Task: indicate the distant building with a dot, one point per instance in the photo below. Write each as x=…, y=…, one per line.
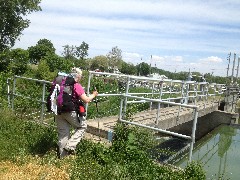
x=158, y=76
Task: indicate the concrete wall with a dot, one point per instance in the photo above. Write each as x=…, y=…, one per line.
x=206, y=123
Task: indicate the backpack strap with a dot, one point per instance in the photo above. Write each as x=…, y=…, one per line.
x=54, y=99
x=60, y=99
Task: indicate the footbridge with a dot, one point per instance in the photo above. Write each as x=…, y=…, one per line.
x=171, y=103
x=156, y=104
x=165, y=118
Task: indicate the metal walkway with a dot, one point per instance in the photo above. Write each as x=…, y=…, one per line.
x=169, y=117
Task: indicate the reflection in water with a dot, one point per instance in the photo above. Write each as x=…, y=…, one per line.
x=219, y=153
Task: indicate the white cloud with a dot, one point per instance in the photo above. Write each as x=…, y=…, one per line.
x=168, y=30
x=168, y=59
x=211, y=59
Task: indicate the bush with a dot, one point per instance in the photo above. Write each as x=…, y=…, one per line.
x=127, y=158
x=23, y=137
x=194, y=171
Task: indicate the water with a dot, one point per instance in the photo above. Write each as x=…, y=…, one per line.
x=219, y=153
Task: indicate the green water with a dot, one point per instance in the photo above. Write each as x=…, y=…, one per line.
x=219, y=153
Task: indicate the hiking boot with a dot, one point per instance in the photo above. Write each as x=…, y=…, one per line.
x=70, y=151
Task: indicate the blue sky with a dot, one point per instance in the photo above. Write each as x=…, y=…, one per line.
x=179, y=34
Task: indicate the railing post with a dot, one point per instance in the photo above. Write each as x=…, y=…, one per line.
x=195, y=92
x=187, y=93
x=13, y=92
x=43, y=102
x=159, y=105
x=8, y=93
x=120, y=111
x=126, y=92
x=193, y=133
x=170, y=92
x=88, y=91
x=152, y=95
x=182, y=91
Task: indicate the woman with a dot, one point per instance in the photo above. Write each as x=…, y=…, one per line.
x=67, y=144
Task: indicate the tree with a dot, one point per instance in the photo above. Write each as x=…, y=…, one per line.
x=11, y=20
x=143, y=69
x=99, y=62
x=19, y=61
x=48, y=44
x=82, y=50
x=57, y=63
x=68, y=52
x=43, y=71
x=128, y=68
x=42, y=48
x=115, y=57
x=4, y=60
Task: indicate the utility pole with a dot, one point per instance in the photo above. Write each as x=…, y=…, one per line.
x=237, y=70
x=233, y=68
x=229, y=58
x=140, y=68
x=151, y=72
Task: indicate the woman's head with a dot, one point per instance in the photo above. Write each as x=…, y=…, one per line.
x=76, y=73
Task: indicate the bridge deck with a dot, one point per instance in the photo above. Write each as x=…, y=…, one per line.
x=168, y=117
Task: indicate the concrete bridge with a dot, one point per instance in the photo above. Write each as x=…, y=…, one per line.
x=168, y=117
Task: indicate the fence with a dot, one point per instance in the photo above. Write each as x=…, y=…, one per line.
x=171, y=90
x=161, y=91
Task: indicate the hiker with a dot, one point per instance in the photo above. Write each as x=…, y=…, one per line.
x=67, y=144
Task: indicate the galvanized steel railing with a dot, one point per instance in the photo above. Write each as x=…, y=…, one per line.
x=183, y=91
x=186, y=90
x=194, y=107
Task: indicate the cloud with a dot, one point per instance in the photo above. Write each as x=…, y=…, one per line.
x=211, y=59
x=168, y=30
x=133, y=58
x=168, y=59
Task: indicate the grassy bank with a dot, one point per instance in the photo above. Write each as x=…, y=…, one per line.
x=30, y=151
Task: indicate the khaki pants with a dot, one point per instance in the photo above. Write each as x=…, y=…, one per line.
x=64, y=122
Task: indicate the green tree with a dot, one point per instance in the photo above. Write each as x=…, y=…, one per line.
x=12, y=22
x=81, y=63
x=42, y=48
x=82, y=50
x=19, y=61
x=4, y=60
x=99, y=62
x=128, y=68
x=115, y=57
x=43, y=71
x=48, y=44
x=69, y=52
x=143, y=69
x=57, y=63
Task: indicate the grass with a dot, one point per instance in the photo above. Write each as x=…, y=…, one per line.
x=29, y=151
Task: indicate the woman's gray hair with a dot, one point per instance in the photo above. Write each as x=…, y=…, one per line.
x=76, y=71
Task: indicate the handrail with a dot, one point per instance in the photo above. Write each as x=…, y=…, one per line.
x=192, y=137
x=159, y=87
x=160, y=90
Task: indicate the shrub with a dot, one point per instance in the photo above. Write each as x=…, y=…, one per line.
x=23, y=137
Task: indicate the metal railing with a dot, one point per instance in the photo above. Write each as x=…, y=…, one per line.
x=162, y=91
x=13, y=94
x=171, y=90
x=194, y=107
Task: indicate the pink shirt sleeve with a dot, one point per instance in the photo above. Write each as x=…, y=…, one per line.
x=78, y=90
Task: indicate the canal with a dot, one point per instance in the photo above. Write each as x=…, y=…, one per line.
x=218, y=152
